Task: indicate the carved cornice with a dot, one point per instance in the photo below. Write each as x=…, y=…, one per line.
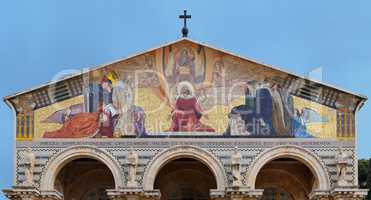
x=133, y=194
x=30, y=192
x=348, y=193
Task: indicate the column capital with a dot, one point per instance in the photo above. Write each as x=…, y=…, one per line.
x=348, y=193
x=31, y=193
x=134, y=193
x=319, y=195
x=217, y=194
x=243, y=193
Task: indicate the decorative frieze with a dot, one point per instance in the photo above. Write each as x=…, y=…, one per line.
x=135, y=158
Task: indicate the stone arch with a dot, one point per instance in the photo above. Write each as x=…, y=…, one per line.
x=176, y=152
x=308, y=158
x=57, y=162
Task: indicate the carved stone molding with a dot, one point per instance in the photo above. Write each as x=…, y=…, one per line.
x=319, y=195
x=236, y=193
x=133, y=194
x=31, y=193
x=244, y=193
x=348, y=193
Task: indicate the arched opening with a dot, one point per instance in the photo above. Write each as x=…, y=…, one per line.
x=321, y=180
x=185, y=179
x=285, y=179
x=84, y=179
x=184, y=151
x=60, y=160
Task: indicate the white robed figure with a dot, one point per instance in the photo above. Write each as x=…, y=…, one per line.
x=122, y=102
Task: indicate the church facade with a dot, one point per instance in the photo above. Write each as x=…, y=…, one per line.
x=185, y=121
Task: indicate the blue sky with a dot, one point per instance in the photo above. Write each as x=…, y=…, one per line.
x=39, y=38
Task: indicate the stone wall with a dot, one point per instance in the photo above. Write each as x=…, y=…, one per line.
x=221, y=148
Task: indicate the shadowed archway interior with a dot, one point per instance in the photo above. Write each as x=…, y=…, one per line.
x=185, y=179
x=285, y=179
x=84, y=179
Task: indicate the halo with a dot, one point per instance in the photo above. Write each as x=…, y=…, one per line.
x=185, y=84
x=113, y=77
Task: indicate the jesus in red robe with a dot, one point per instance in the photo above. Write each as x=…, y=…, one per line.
x=187, y=113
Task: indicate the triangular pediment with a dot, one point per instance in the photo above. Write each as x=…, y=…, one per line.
x=221, y=84
x=300, y=86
